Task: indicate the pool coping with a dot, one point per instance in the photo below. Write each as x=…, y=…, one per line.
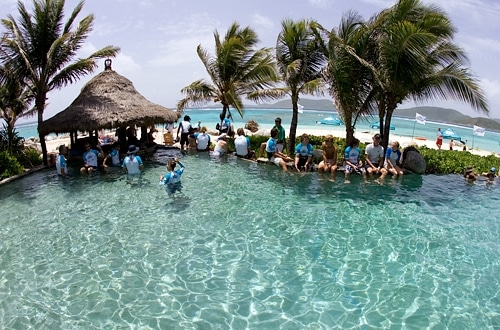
x=25, y=173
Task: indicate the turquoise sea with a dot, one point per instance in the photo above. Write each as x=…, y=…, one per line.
x=248, y=246
x=265, y=117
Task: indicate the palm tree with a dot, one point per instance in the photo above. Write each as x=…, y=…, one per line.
x=300, y=61
x=236, y=69
x=41, y=48
x=15, y=99
x=415, y=57
x=348, y=76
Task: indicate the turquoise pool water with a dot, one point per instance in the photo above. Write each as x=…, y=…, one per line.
x=249, y=247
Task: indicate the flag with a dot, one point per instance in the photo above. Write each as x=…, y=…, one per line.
x=420, y=119
x=479, y=131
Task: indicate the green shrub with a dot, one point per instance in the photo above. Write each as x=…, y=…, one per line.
x=449, y=161
x=29, y=158
x=9, y=166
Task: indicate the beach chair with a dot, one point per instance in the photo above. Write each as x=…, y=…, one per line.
x=168, y=139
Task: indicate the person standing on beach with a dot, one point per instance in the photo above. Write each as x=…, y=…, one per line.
x=439, y=140
x=61, y=164
x=280, y=143
x=451, y=144
x=184, y=129
x=374, y=156
x=90, y=157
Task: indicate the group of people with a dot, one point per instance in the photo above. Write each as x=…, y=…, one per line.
x=471, y=176
x=131, y=163
x=377, y=161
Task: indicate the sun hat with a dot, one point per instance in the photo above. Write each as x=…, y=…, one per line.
x=493, y=169
x=132, y=149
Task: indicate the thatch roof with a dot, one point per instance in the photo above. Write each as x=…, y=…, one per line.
x=107, y=101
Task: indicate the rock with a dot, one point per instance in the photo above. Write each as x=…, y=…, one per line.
x=413, y=160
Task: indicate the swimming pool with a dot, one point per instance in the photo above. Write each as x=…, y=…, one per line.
x=249, y=247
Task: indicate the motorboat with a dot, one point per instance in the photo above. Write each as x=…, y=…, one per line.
x=330, y=121
x=377, y=126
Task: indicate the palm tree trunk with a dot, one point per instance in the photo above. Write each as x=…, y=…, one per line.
x=293, y=126
x=40, y=106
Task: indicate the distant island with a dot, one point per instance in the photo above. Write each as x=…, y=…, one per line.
x=436, y=114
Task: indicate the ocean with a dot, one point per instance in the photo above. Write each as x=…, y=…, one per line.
x=309, y=118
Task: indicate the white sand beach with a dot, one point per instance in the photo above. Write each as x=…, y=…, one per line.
x=366, y=137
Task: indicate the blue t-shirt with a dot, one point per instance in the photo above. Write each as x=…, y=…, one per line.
x=270, y=147
x=225, y=124
x=61, y=164
x=90, y=157
x=352, y=154
x=115, y=157
x=304, y=150
x=393, y=156
x=172, y=180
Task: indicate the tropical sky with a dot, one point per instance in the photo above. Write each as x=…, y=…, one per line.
x=158, y=38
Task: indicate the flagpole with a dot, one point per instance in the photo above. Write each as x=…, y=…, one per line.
x=413, y=133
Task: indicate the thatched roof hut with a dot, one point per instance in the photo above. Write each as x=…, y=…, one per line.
x=108, y=101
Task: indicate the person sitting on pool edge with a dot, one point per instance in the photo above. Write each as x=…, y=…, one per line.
x=273, y=155
x=221, y=147
x=392, y=160
x=90, y=157
x=352, y=161
x=242, y=145
x=202, y=139
x=329, y=162
x=303, y=154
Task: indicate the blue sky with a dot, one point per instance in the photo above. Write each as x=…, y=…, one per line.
x=158, y=38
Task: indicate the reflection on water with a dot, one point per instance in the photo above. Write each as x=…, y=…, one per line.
x=248, y=246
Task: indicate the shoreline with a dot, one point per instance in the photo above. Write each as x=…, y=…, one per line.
x=364, y=136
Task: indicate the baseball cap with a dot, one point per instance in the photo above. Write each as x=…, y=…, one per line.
x=493, y=169
x=376, y=136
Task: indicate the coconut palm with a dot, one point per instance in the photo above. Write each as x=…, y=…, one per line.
x=236, y=69
x=15, y=99
x=41, y=47
x=300, y=61
x=415, y=57
x=348, y=76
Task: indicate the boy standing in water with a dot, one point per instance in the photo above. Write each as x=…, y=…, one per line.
x=172, y=180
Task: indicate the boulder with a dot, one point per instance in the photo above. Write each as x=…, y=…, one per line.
x=413, y=160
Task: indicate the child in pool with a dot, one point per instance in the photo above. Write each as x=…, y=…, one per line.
x=172, y=179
